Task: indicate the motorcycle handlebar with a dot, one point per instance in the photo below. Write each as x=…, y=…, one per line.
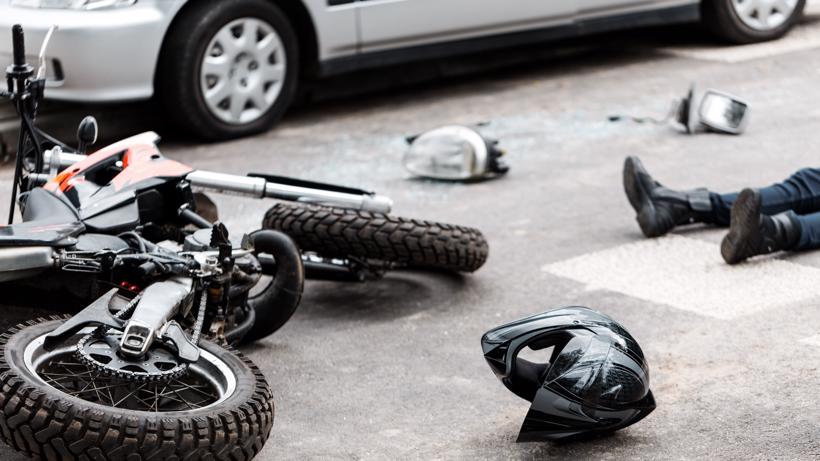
x=18, y=45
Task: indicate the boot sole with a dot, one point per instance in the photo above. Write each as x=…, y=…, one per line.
x=745, y=227
x=639, y=197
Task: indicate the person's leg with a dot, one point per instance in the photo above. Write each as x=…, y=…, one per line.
x=660, y=209
x=799, y=193
x=754, y=233
x=809, y=232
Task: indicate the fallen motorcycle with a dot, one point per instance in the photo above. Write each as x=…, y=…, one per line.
x=145, y=370
x=145, y=367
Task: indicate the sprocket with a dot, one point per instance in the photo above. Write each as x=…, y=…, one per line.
x=100, y=352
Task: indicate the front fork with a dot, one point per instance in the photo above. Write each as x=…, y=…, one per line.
x=265, y=186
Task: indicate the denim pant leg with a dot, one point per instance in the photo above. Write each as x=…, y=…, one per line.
x=800, y=193
x=809, y=232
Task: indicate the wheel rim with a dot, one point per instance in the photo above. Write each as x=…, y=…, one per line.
x=207, y=383
x=243, y=71
x=764, y=15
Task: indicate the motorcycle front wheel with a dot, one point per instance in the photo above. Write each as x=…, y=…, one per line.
x=343, y=233
x=56, y=407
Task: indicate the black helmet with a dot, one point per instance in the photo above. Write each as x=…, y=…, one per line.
x=596, y=380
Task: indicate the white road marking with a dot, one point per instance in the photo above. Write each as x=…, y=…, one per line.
x=812, y=340
x=804, y=37
x=690, y=274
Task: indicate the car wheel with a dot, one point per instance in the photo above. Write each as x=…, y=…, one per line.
x=749, y=21
x=229, y=69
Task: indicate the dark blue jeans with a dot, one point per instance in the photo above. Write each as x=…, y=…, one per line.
x=799, y=195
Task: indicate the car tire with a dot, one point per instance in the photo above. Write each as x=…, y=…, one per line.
x=726, y=20
x=260, y=69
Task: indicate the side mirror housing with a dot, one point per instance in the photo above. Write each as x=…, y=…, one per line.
x=86, y=134
x=714, y=111
x=454, y=153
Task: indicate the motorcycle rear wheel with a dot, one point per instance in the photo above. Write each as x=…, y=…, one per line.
x=344, y=233
x=53, y=408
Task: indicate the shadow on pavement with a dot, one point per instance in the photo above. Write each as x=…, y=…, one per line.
x=398, y=295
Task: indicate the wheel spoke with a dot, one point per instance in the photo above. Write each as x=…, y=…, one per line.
x=273, y=72
x=250, y=29
x=217, y=66
x=230, y=44
x=217, y=94
x=763, y=13
x=257, y=96
x=195, y=389
x=238, y=103
x=129, y=395
x=267, y=46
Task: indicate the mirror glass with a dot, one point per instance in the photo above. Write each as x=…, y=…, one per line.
x=722, y=112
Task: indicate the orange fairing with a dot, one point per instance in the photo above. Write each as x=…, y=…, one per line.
x=140, y=158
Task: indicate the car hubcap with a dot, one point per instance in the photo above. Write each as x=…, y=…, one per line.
x=243, y=71
x=764, y=15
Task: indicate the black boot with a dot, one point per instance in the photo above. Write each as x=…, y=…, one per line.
x=660, y=209
x=753, y=233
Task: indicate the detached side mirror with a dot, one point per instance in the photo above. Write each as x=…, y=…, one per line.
x=714, y=110
x=86, y=134
x=454, y=153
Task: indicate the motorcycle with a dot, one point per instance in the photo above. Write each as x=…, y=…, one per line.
x=145, y=367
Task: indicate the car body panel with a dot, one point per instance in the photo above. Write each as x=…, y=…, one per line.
x=112, y=54
x=590, y=23
x=106, y=55
x=399, y=23
x=392, y=24
x=598, y=8
x=337, y=29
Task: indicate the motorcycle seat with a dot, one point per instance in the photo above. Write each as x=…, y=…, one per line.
x=48, y=220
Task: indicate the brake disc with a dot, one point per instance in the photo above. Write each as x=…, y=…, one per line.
x=101, y=352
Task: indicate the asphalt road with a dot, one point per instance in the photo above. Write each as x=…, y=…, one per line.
x=393, y=369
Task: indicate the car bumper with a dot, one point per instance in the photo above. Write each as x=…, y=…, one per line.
x=95, y=56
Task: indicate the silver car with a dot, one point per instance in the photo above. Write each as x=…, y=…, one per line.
x=228, y=68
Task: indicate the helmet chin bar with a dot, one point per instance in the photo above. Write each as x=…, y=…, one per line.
x=596, y=380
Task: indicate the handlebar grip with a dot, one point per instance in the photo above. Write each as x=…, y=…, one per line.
x=19, y=45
